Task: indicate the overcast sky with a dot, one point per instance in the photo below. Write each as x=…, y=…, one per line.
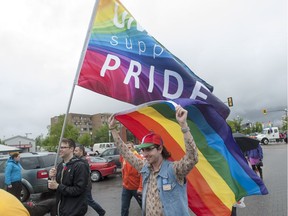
x=239, y=47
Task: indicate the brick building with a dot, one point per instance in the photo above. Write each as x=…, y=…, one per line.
x=85, y=124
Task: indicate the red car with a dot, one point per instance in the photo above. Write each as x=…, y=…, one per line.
x=100, y=168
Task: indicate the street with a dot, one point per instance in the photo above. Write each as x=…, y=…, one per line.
x=108, y=192
x=275, y=179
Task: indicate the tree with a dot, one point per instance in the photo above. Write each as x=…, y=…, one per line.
x=284, y=123
x=102, y=134
x=257, y=127
x=235, y=125
x=39, y=141
x=51, y=142
x=85, y=139
x=246, y=130
x=131, y=137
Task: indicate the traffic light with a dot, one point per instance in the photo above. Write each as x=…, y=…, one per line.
x=230, y=101
x=264, y=111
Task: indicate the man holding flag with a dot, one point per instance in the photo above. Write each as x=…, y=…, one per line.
x=164, y=182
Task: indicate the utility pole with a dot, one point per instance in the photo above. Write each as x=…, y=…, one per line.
x=27, y=134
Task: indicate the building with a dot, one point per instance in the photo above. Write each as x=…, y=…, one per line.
x=21, y=142
x=85, y=124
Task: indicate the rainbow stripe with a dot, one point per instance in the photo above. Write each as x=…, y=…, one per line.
x=222, y=175
x=121, y=55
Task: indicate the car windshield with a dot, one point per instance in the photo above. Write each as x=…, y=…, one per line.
x=97, y=159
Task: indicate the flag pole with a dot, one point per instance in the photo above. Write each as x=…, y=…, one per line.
x=77, y=75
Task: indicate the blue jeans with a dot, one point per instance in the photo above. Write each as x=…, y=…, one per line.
x=94, y=204
x=126, y=199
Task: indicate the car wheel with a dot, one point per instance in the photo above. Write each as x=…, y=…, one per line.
x=95, y=176
x=265, y=141
x=24, y=194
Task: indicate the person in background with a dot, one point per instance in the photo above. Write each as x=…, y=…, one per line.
x=11, y=206
x=255, y=157
x=80, y=153
x=70, y=182
x=164, y=182
x=132, y=182
x=13, y=175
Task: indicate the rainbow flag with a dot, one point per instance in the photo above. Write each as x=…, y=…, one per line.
x=124, y=62
x=222, y=175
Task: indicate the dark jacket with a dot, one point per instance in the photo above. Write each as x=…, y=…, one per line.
x=89, y=185
x=71, y=196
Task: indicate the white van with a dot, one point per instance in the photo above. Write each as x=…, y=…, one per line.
x=100, y=147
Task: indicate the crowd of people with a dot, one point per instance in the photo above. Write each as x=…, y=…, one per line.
x=157, y=184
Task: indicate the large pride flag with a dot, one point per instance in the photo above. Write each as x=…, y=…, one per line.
x=222, y=175
x=124, y=62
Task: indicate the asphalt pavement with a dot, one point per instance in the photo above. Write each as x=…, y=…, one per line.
x=108, y=191
x=275, y=179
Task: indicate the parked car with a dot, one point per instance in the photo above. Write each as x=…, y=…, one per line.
x=89, y=152
x=112, y=154
x=35, y=172
x=100, y=168
x=253, y=135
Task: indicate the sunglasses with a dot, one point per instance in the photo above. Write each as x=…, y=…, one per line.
x=148, y=149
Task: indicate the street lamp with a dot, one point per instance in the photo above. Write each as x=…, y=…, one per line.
x=109, y=134
x=91, y=137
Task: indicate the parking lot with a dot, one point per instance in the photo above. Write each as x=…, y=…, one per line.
x=108, y=192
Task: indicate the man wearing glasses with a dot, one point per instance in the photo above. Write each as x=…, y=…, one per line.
x=70, y=182
x=164, y=182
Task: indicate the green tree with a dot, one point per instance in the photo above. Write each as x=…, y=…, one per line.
x=39, y=141
x=102, y=134
x=85, y=140
x=235, y=124
x=246, y=130
x=257, y=127
x=51, y=142
x=284, y=123
x=131, y=137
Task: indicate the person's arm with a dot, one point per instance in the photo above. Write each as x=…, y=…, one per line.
x=123, y=149
x=140, y=187
x=188, y=161
x=8, y=170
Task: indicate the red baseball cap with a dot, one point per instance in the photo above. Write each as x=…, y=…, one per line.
x=150, y=140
